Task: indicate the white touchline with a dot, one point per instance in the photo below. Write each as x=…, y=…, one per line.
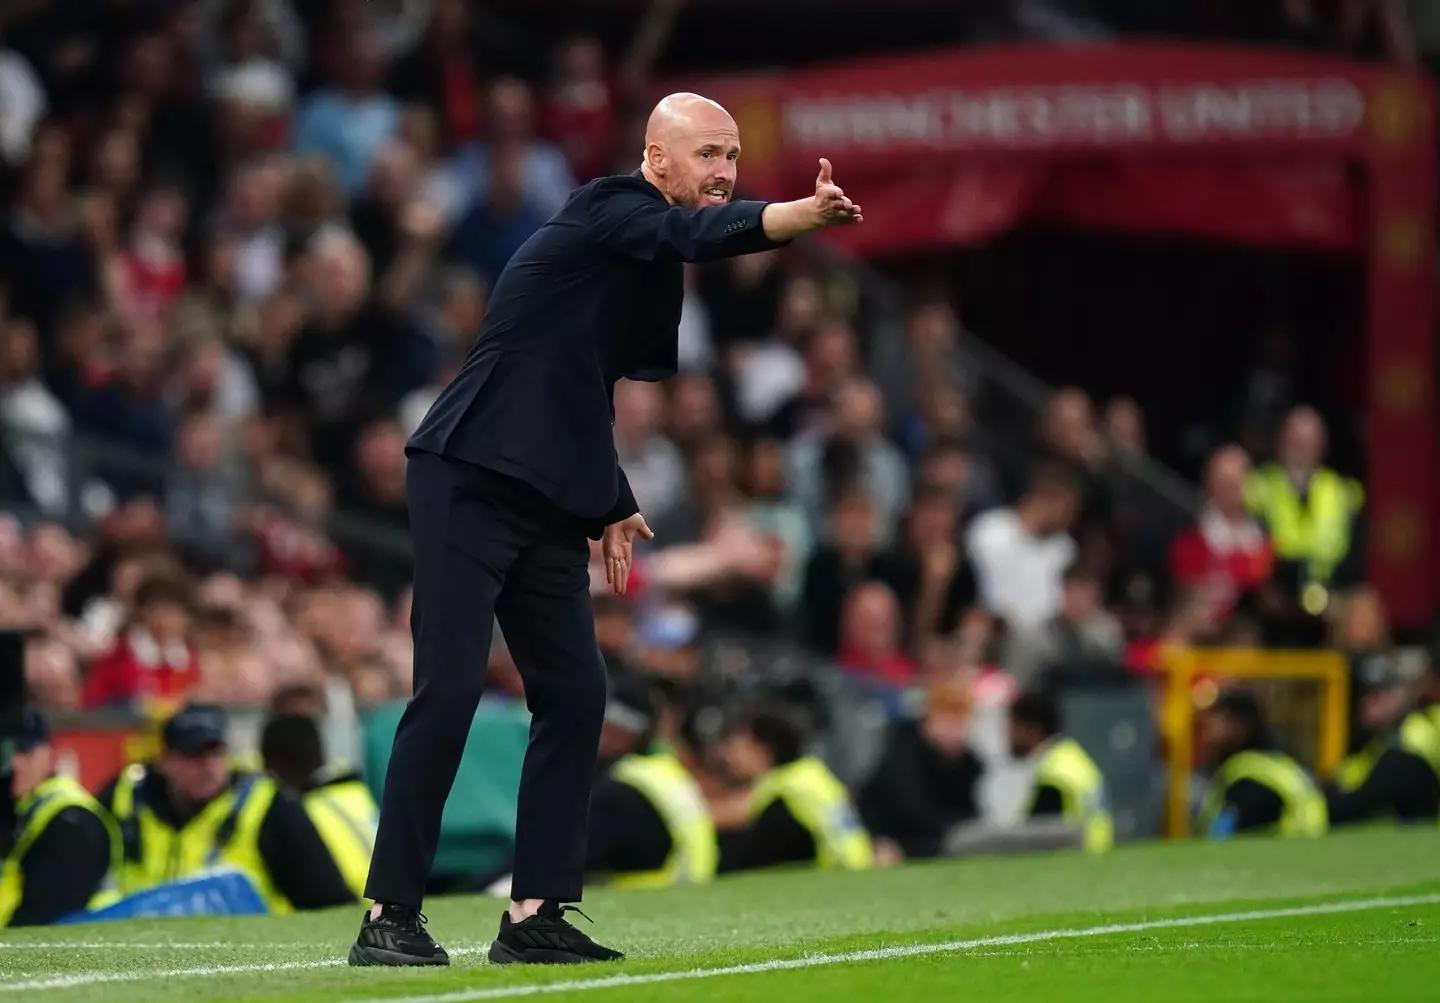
x=886, y=953
x=806, y=961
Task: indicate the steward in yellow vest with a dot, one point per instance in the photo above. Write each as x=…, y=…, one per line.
x=340, y=806
x=1309, y=511
x=1395, y=774
x=63, y=845
x=1068, y=785
x=190, y=814
x=798, y=812
x=1254, y=787
x=650, y=826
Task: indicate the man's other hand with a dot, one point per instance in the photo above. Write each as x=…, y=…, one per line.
x=617, y=546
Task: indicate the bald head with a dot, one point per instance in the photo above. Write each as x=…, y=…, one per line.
x=691, y=148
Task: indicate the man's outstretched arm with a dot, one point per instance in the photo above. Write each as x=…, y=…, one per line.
x=638, y=225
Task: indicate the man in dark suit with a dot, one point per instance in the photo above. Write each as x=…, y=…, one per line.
x=511, y=471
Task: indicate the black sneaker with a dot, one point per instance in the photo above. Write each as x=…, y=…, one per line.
x=397, y=937
x=546, y=939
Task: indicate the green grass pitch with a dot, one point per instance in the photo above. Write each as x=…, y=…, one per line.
x=1353, y=917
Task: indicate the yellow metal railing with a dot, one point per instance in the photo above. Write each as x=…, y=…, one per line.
x=1181, y=667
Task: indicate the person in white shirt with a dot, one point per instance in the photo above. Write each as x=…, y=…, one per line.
x=1020, y=554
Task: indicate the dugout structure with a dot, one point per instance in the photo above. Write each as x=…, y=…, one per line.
x=1306, y=694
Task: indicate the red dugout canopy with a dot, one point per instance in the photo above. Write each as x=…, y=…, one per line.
x=1253, y=146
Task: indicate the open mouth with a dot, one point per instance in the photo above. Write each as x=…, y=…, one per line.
x=715, y=196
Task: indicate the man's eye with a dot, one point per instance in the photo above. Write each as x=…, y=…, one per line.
x=706, y=154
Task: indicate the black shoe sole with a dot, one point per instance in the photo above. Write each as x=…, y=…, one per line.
x=500, y=954
x=367, y=957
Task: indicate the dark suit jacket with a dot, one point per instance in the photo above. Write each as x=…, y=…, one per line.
x=592, y=297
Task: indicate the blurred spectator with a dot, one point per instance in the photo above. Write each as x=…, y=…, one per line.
x=375, y=213
x=450, y=325
x=1226, y=552
x=42, y=250
x=247, y=54
x=113, y=169
x=355, y=359
x=694, y=410
x=441, y=72
x=130, y=409
x=653, y=465
x=871, y=633
x=154, y=263
x=1125, y=427
x=77, y=357
x=352, y=120
x=23, y=108
x=250, y=217
x=202, y=495
x=742, y=296
x=695, y=344
x=214, y=378
x=1020, y=554
x=713, y=489
x=768, y=373
x=831, y=359
x=153, y=659
x=927, y=569
x=928, y=778
x=378, y=488
x=930, y=352
x=836, y=567
x=292, y=541
x=1310, y=512
x=851, y=452
x=500, y=220
x=546, y=181
x=965, y=473
x=1079, y=638
x=35, y=424
x=1269, y=390
x=52, y=675
x=579, y=107
x=278, y=321
x=1254, y=787
x=771, y=513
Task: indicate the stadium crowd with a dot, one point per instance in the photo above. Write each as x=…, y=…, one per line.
x=246, y=243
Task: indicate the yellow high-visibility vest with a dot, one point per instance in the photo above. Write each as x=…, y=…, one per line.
x=819, y=802
x=35, y=812
x=1418, y=734
x=226, y=832
x=1304, y=812
x=676, y=798
x=1070, y=770
x=1315, y=531
x=345, y=815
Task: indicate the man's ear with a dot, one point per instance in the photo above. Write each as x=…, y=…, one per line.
x=655, y=157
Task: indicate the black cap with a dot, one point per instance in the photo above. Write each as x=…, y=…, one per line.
x=631, y=704
x=195, y=729
x=33, y=732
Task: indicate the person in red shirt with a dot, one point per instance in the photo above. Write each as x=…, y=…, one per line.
x=1226, y=552
x=870, y=637
x=578, y=111
x=154, y=263
x=152, y=660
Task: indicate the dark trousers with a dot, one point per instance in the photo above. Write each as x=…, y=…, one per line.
x=490, y=547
